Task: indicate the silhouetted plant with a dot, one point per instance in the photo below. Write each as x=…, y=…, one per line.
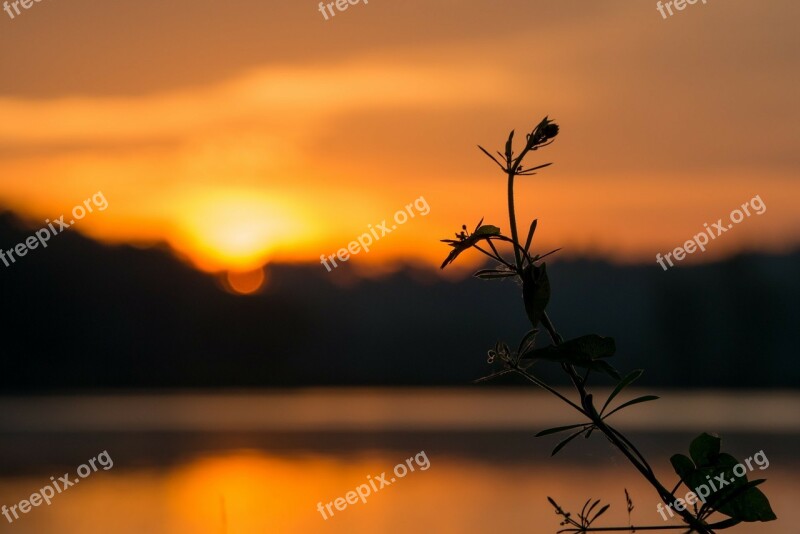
x=740, y=501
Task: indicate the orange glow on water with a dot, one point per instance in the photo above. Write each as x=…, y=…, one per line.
x=250, y=492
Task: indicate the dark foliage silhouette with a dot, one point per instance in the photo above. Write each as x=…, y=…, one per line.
x=740, y=500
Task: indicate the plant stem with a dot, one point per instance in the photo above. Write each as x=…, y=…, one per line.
x=512, y=218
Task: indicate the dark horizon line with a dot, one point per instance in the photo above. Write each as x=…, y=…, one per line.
x=12, y=220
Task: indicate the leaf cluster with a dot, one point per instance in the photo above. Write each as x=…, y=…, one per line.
x=738, y=498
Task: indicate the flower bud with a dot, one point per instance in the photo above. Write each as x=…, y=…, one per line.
x=550, y=130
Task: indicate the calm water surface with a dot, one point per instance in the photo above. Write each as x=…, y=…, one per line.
x=249, y=463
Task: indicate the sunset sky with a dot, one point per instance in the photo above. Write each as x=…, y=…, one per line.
x=249, y=132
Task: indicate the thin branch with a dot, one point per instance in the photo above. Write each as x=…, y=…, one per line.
x=493, y=376
x=494, y=249
x=512, y=217
x=498, y=258
x=634, y=449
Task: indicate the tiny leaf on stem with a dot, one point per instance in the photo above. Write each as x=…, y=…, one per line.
x=509, y=147
x=487, y=229
x=530, y=235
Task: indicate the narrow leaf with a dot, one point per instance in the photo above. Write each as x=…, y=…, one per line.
x=551, y=252
x=492, y=157
x=628, y=380
x=509, y=145
x=558, y=429
x=487, y=274
x=528, y=338
x=530, y=235
x=583, y=510
x=607, y=368
x=493, y=376
x=563, y=443
x=595, y=503
x=637, y=400
x=601, y=512
x=538, y=167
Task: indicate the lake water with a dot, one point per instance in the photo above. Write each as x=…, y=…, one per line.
x=254, y=463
